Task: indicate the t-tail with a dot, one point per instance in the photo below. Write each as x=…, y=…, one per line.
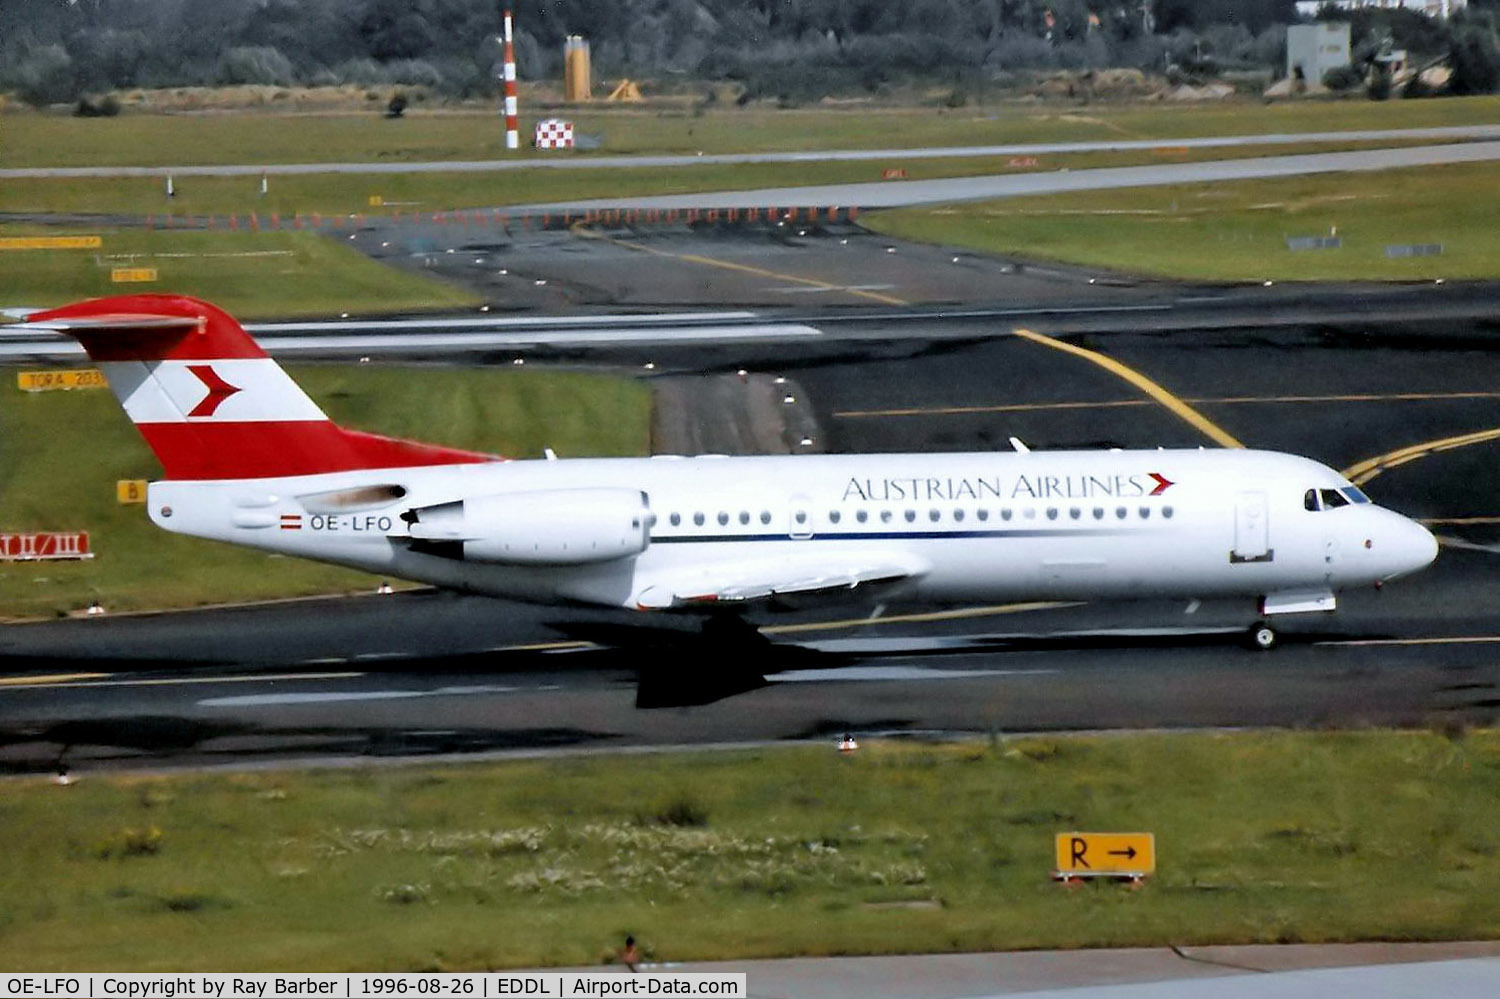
x=211, y=403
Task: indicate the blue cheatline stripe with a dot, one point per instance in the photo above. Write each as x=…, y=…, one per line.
x=1075, y=532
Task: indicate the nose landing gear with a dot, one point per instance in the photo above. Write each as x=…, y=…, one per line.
x=1261, y=636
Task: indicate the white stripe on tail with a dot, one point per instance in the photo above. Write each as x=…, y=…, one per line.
x=211, y=403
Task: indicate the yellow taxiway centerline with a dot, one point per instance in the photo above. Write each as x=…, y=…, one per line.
x=959, y=614
x=1362, y=472
x=1179, y=408
x=49, y=679
x=34, y=682
x=1456, y=521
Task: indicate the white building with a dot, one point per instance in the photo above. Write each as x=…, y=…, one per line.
x=1432, y=8
x=1314, y=49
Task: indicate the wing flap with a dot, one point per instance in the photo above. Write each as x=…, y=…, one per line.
x=729, y=584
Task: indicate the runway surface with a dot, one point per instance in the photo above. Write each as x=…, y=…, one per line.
x=1442, y=133
x=897, y=193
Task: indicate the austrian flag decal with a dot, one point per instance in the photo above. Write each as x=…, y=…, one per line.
x=291, y=522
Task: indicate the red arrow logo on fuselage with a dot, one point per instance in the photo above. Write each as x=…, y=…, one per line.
x=1162, y=484
x=218, y=389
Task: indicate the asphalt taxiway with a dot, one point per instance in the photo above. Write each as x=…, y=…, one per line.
x=916, y=349
x=422, y=673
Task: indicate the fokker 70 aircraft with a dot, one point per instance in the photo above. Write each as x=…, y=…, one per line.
x=251, y=460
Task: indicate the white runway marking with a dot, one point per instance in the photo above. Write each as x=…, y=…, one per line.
x=894, y=673
x=337, y=696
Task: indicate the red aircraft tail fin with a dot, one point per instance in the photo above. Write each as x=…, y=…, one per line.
x=211, y=403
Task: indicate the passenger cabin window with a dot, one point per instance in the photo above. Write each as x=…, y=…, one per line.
x=676, y=519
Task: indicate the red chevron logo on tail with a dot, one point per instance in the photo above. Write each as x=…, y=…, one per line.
x=218, y=389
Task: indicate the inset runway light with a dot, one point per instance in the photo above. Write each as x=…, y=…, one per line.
x=365, y=359
x=780, y=380
x=806, y=442
x=343, y=315
x=1268, y=284
x=519, y=360
x=955, y=260
x=843, y=242
x=503, y=271
x=539, y=282
x=890, y=249
x=1091, y=280
x=351, y=235
x=449, y=250
x=802, y=232
x=384, y=245
x=484, y=308
x=650, y=365
x=789, y=399
x=1438, y=281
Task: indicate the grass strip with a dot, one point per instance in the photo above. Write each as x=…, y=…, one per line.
x=34, y=139
x=1238, y=230
x=266, y=275
x=351, y=194
x=1261, y=837
x=64, y=452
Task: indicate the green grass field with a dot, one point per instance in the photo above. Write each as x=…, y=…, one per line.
x=1237, y=231
x=253, y=275
x=249, y=137
x=341, y=194
x=64, y=452
x=1261, y=838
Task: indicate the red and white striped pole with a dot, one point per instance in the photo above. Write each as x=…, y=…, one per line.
x=512, y=127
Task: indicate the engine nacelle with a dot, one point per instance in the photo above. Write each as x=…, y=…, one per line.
x=545, y=527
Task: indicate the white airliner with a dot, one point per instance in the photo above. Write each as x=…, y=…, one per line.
x=251, y=460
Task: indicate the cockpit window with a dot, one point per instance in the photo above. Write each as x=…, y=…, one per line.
x=1355, y=494
x=1332, y=498
x=1310, y=501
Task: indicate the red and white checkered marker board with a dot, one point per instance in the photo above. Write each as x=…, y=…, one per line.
x=554, y=133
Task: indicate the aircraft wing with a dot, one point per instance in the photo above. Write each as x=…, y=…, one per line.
x=776, y=580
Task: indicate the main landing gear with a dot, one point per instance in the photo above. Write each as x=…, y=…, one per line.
x=1261, y=636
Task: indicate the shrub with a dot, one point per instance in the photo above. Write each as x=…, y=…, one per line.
x=1342, y=78
x=106, y=107
x=46, y=76
x=258, y=64
x=683, y=812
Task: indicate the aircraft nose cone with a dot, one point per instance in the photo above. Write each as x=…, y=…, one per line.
x=1415, y=548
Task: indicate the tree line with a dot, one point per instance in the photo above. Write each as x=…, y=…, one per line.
x=57, y=50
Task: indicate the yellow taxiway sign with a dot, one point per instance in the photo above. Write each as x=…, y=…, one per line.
x=1087, y=854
